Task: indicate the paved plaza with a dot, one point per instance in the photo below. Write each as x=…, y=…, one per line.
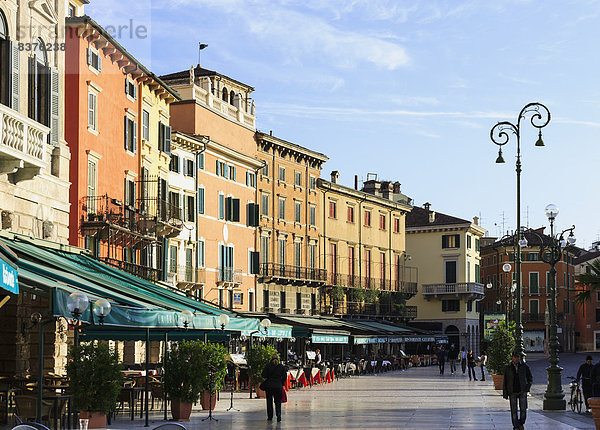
x=418, y=398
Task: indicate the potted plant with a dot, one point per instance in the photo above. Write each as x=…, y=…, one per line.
x=96, y=379
x=259, y=358
x=500, y=351
x=183, y=378
x=213, y=359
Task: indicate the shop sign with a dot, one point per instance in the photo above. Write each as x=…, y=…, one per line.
x=8, y=277
x=328, y=338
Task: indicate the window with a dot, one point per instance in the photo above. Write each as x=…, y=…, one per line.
x=469, y=305
x=201, y=161
x=532, y=256
x=282, y=173
x=232, y=173
x=367, y=218
x=298, y=254
x=92, y=110
x=130, y=135
x=72, y=10
x=221, y=296
x=265, y=169
x=173, y=259
x=450, y=305
x=381, y=222
x=351, y=263
x=534, y=307
x=468, y=241
x=7, y=50
x=264, y=204
x=477, y=248
x=189, y=168
x=221, y=206
x=232, y=209
x=281, y=207
x=251, y=301
x=312, y=215
x=201, y=253
x=175, y=204
x=39, y=84
x=312, y=255
x=332, y=209
x=190, y=208
x=94, y=60
x=297, y=211
x=129, y=194
x=597, y=314
x=367, y=264
x=130, y=89
x=281, y=250
x=164, y=138
x=145, y=125
x=200, y=200
x=477, y=273
x=225, y=263
x=174, y=164
x=382, y=268
x=92, y=181
x=450, y=241
x=350, y=214
x=264, y=249
x=312, y=184
x=251, y=179
x=252, y=214
x=450, y=272
x=396, y=225
x=298, y=178
x=534, y=285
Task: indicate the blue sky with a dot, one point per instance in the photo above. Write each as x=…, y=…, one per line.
x=408, y=90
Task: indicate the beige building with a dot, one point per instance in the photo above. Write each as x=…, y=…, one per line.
x=446, y=251
x=34, y=157
x=363, y=250
x=290, y=267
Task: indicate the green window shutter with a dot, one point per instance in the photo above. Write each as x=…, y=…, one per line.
x=235, y=210
x=126, y=127
x=200, y=200
x=458, y=240
x=54, y=106
x=444, y=241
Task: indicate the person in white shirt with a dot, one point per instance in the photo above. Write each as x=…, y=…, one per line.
x=483, y=361
x=463, y=359
x=317, y=357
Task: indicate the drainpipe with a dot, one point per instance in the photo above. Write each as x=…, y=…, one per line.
x=197, y=215
x=256, y=233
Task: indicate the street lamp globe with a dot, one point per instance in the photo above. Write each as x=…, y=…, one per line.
x=551, y=211
x=571, y=239
x=77, y=303
x=102, y=308
x=523, y=242
x=489, y=285
x=498, y=302
x=186, y=317
x=265, y=323
x=223, y=320
x=506, y=267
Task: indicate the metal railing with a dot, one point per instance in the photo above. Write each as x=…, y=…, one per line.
x=341, y=307
x=298, y=273
x=231, y=275
x=457, y=288
x=145, y=272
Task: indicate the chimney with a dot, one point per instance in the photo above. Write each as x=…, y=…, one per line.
x=335, y=176
x=356, y=182
x=396, y=187
x=270, y=132
x=476, y=220
x=426, y=206
x=432, y=216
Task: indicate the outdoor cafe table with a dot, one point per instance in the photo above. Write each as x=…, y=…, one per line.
x=55, y=400
x=133, y=391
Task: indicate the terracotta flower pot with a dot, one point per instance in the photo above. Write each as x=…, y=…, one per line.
x=208, y=401
x=261, y=394
x=594, y=403
x=181, y=411
x=97, y=420
x=498, y=381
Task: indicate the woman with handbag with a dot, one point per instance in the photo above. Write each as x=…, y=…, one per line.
x=483, y=363
x=471, y=364
x=275, y=376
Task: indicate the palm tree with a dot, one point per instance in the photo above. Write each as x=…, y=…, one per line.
x=590, y=282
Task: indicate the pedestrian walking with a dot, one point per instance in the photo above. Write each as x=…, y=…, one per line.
x=517, y=383
x=471, y=364
x=452, y=357
x=585, y=373
x=483, y=363
x=441, y=358
x=463, y=359
x=275, y=376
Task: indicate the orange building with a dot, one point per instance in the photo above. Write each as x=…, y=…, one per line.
x=587, y=315
x=215, y=109
x=535, y=278
x=118, y=131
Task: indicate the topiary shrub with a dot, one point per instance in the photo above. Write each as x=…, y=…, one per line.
x=356, y=294
x=336, y=293
x=95, y=376
x=500, y=349
x=371, y=295
x=213, y=357
x=259, y=358
x=184, y=373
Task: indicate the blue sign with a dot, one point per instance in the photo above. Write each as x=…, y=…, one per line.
x=8, y=277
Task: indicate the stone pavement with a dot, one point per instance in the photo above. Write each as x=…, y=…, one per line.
x=418, y=398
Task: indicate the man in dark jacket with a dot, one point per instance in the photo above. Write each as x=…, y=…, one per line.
x=275, y=376
x=441, y=358
x=452, y=357
x=517, y=383
x=585, y=375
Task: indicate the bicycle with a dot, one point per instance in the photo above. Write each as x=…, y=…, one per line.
x=576, y=400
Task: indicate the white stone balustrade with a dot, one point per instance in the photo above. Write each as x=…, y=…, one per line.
x=457, y=288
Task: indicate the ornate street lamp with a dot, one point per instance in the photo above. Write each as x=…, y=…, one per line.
x=223, y=321
x=101, y=309
x=77, y=303
x=187, y=317
x=554, y=397
x=263, y=329
x=500, y=135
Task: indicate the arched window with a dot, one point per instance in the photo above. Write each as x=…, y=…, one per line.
x=231, y=97
x=39, y=84
x=4, y=62
x=225, y=93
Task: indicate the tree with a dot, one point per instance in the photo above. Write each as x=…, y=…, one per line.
x=501, y=348
x=590, y=281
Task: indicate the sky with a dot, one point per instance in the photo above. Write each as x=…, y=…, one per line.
x=408, y=90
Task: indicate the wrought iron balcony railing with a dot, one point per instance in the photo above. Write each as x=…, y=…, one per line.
x=230, y=275
x=341, y=307
x=293, y=273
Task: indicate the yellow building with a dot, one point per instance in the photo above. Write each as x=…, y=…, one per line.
x=363, y=251
x=290, y=270
x=445, y=249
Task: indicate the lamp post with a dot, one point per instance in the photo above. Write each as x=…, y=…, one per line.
x=77, y=303
x=499, y=134
x=263, y=329
x=554, y=397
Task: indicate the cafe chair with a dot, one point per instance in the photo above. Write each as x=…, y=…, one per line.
x=170, y=426
x=26, y=408
x=30, y=426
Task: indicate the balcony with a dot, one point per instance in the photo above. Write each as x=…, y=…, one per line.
x=229, y=275
x=188, y=277
x=534, y=318
x=463, y=290
x=282, y=273
x=371, y=309
x=138, y=270
x=23, y=145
